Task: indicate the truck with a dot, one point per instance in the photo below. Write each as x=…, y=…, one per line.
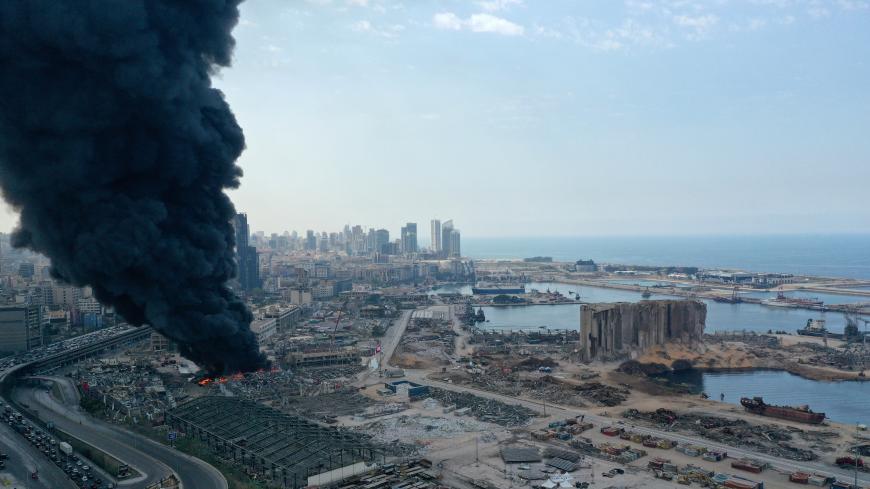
x=65, y=448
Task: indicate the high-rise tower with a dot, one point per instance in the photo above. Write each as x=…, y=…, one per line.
x=435, y=233
x=246, y=255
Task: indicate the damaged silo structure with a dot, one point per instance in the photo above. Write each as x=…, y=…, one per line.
x=610, y=331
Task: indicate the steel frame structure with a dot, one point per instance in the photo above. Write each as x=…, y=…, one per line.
x=283, y=448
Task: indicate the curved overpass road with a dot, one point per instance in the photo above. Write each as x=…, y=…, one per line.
x=148, y=457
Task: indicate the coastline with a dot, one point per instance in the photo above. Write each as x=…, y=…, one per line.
x=805, y=371
x=723, y=355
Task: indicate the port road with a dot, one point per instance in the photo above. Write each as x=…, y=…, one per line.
x=389, y=343
x=23, y=460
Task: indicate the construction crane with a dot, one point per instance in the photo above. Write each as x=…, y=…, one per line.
x=338, y=320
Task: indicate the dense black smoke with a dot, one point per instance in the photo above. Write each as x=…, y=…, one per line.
x=116, y=150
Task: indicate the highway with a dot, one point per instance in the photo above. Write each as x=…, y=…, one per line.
x=23, y=459
x=153, y=460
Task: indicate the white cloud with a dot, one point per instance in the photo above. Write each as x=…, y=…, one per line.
x=756, y=24
x=818, y=12
x=774, y=3
x=477, y=23
x=699, y=24
x=600, y=36
x=448, y=21
x=367, y=27
x=544, y=31
x=639, y=6
x=497, y=25
x=362, y=26
x=496, y=5
x=359, y=3
x=853, y=4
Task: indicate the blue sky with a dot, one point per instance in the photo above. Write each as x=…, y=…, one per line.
x=550, y=117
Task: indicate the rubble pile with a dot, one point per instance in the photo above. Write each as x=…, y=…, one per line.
x=603, y=395
x=749, y=338
x=428, y=340
x=534, y=363
x=325, y=374
x=633, y=367
x=266, y=387
x=820, y=440
x=128, y=391
x=346, y=401
x=851, y=357
x=770, y=439
x=522, y=337
x=513, y=385
x=483, y=409
x=277, y=387
x=404, y=428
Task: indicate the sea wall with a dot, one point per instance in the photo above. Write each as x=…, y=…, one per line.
x=620, y=330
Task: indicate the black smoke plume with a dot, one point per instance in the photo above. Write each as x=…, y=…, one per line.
x=116, y=150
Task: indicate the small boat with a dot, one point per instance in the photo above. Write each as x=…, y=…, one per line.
x=646, y=294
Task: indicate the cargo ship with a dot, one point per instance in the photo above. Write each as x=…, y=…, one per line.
x=783, y=300
x=816, y=327
x=802, y=414
x=495, y=289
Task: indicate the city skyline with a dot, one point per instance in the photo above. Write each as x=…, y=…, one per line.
x=351, y=238
x=527, y=118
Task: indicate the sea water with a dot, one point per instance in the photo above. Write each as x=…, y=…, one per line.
x=846, y=255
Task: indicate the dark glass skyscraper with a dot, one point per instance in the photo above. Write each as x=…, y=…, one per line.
x=246, y=255
x=409, y=238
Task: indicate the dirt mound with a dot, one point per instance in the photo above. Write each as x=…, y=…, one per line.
x=602, y=394
x=681, y=365
x=534, y=363
x=633, y=367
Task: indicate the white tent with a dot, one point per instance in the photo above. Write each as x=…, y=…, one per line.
x=563, y=481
